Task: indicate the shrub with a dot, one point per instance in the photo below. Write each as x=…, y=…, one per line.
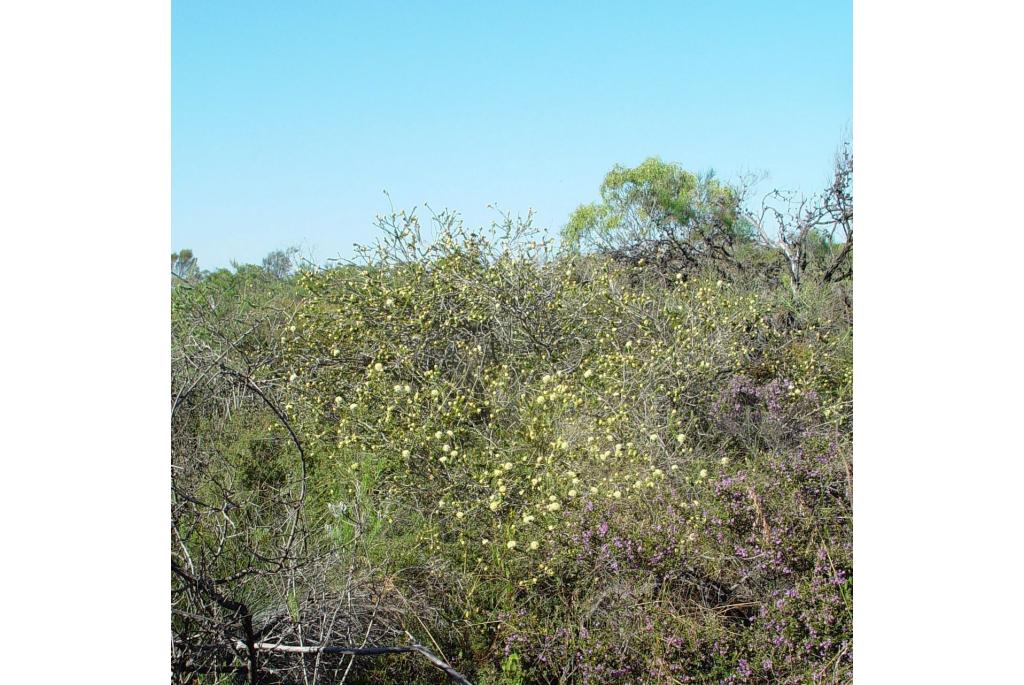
x=588, y=471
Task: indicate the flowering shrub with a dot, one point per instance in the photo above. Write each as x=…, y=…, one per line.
x=590, y=471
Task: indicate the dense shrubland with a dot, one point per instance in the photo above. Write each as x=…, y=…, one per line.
x=625, y=459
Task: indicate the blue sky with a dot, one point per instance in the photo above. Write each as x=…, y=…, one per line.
x=289, y=119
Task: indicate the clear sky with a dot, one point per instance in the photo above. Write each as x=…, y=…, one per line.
x=289, y=119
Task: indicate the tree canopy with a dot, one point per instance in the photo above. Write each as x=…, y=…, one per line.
x=662, y=203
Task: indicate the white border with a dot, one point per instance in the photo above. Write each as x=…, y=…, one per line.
x=85, y=202
x=938, y=487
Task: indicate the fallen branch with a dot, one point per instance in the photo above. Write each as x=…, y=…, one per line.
x=363, y=651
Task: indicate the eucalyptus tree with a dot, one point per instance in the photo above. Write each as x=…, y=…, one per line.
x=658, y=211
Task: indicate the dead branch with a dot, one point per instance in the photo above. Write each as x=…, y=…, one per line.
x=454, y=675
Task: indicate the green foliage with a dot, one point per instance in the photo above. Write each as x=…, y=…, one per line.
x=557, y=467
x=658, y=200
x=260, y=459
x=505, y=399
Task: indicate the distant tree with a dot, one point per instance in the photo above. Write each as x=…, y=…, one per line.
x=184, y=265
x=281, y=263
x=658, y=209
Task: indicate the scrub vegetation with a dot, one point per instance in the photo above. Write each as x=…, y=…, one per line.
x=621, y=456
